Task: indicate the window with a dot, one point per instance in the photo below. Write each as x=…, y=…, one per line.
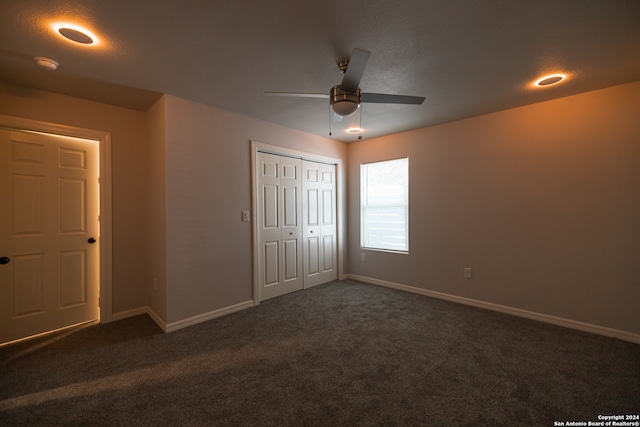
x=384, y=205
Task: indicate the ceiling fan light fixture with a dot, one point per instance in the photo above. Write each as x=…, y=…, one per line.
x=345, y=108
x=344, y=103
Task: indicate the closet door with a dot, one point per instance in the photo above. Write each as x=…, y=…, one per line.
x=279, y=225
x=319, y=222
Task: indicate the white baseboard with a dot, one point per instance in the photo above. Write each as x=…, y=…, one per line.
x=129, y=313
x=137, y=312
x=559, y=321
x=157, y=319
x=174, y=326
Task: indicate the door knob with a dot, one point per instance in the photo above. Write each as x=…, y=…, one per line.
x=91, y=240
x=5, y=260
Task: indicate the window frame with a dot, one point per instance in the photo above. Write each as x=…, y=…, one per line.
x=364, y=205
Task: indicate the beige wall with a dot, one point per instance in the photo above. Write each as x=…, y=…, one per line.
x=208, y=184
x=542, y=201
x=129, y=176
x=156, y=276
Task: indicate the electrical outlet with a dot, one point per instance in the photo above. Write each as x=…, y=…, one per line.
x=468, y=273
x=363, y=257
x=245, y=216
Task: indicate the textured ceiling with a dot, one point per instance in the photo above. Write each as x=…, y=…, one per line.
x=466, y=57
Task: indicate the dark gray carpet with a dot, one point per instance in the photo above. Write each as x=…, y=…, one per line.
x=340, y=354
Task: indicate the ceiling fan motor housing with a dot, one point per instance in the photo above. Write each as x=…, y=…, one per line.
x=344, y=102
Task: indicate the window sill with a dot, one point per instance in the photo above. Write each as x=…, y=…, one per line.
x=391, y=251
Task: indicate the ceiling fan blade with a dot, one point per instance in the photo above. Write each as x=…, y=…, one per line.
x=383, y=98
x=298, y=94
x=355, y=70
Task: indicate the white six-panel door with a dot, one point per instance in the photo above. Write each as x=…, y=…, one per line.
x=319, y=223
x=279, y=225
x=49, y=210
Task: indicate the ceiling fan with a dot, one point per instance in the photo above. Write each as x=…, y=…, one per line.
x=346, y=97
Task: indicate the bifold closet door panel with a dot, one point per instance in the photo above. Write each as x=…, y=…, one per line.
x=279, y=225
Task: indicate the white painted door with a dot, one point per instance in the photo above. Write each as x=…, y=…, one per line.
x=48, y=212
x=279, y=225
x=319, y=223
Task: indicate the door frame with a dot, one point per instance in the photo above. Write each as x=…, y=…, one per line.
x=104, y=140
x=262, y=147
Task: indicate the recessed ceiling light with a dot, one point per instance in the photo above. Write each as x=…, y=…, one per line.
x=550, y=80
x=76, y=34
x=47, y=63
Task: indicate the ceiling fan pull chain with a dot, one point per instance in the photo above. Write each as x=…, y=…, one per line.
x=330, y=119
x=360, y=127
